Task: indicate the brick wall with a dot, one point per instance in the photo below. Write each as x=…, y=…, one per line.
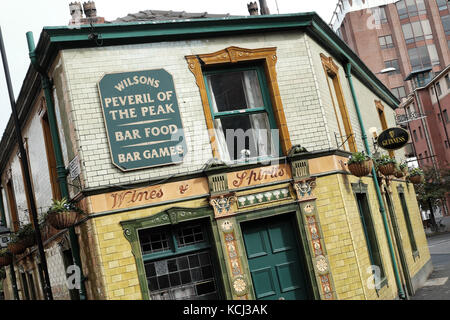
x=366, y=100
x=85, y=67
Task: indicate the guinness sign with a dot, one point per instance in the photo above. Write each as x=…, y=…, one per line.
x=393, y=139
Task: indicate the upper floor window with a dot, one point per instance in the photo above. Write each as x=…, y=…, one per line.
x=382, y=117
x=15, y=224
x=392, y=64
x=386, y=42
x=399, y=92
x=447, y=81
x=446, y=24
x=417, y=31
x=410, y=8
x=438, y=88
x=240, y=93
x=442, y=4
x=51, y=160
x=345, y=131
x=445, y=114
x=423, y=57
x=381, y=12
x=242, y=113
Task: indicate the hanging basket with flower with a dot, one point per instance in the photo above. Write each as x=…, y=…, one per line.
x=47, y=230
x=404, y=167
x=398, y=172
x=21, y=240
x=386, y=165
x=27, y=235
x=5, y=257
x=416, y=176
x=359, y=164
x=15, y=246
x=62, y=214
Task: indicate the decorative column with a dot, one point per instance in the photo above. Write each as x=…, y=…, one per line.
x=304, y=186
x=225, y=208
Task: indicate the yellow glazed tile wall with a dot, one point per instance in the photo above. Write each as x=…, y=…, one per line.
x=116, y=259
x=345, y=240
x=337, y=238
x=386, y=292
x=414, y=266
x=90, y=255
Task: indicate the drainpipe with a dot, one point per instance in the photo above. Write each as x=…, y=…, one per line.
x=14, y=282
x=348, y=74
x=61, y=169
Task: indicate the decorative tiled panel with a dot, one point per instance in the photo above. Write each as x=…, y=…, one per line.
x=239, y=282
x=304, y=189
x=318, y=251
x=263, y=197
x=224, y=206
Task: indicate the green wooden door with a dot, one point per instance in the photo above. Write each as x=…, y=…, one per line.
x=274, y=261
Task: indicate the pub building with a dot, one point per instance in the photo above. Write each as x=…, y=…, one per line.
x=175, y=207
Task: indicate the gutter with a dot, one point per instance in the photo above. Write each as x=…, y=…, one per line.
x=60, y=167
x=401, y=294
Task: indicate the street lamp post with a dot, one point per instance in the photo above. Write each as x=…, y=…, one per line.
x=26, y=171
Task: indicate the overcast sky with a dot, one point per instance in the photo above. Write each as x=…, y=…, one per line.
x=19, y=16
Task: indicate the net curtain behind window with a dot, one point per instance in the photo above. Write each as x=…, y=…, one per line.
x=260, y=127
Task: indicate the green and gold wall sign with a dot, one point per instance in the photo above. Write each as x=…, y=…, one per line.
x=393, y=139
x=142, y=119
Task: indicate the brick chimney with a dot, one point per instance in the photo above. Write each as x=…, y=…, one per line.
x=90, y=10
x=253, y=8
x=76, y=11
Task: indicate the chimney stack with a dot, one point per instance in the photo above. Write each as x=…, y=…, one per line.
x=76, y=11
x=90, y=10
x=264, y=7
x=253, y=8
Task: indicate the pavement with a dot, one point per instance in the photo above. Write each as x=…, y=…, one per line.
x=437, y=286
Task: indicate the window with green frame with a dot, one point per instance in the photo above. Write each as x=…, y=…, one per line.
x=370, y=233
x=244, y=123
x=178, y=262
x=409, y=227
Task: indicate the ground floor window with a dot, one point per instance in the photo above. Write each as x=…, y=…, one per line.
x=179, y=262
x=408, y=222
x=370, y=234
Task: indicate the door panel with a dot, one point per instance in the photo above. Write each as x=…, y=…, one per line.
x=257, y=245
x=273, y=256
x=264, y=283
